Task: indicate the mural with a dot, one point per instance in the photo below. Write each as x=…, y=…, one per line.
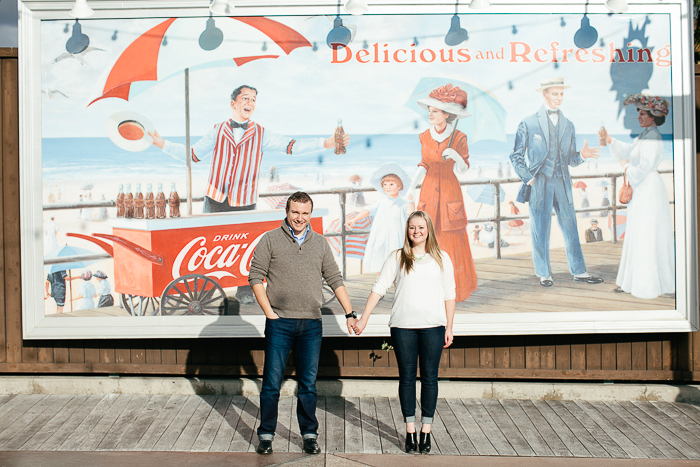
x=169, y=145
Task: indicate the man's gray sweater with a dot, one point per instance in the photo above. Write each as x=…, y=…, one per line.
x=294, y=272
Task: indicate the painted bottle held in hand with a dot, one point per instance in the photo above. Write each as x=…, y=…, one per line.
x=339, y=134
x=139, y=203
x=602, y=135
x=150, y=203
x=129, y=203
x=174, y=202
x=160, y=203
x=120, y=202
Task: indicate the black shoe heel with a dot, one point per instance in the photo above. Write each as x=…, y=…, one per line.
x=411, y=443
x=424, y=445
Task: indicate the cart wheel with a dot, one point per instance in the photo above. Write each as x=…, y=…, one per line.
x=328, y=294
x=141, y=306
x=193, y=294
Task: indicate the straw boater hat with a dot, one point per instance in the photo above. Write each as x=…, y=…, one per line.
x=594, y=221
x=386, y=169
x=100, y=275
x=129, y=131
x=447, y=98
x=552, y=83
x=655, y=105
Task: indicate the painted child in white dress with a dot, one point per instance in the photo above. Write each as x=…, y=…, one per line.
x=390, y=215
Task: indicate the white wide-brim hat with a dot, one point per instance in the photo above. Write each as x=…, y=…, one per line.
x=552, y=83
x=129, y=131
x=386, y=169
x=449, y=107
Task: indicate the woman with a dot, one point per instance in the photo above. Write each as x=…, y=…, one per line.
x=514, y=211
x=441, y=195
x=421, y=319
x=86, y=292
x=103, y=290
x=647, y=266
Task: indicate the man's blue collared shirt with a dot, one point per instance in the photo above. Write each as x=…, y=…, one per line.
x=301, y=239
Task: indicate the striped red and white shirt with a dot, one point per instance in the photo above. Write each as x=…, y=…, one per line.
x=236, y=156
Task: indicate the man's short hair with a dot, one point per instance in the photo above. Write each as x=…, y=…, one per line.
x=237, y=92
x=299, y=197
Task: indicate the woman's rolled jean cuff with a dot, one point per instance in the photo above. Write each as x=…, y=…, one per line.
x=266, y=437
x=309, y=436
x=411, y=419
x=426, y=420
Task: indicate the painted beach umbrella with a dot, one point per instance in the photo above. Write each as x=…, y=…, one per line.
x=488, y=119
x=484, y=193
x=621, y=224
x=195, y=43
x=280, y=202
x=355, y=244
x=579, y=184
x=66, y=251
x=602, y=182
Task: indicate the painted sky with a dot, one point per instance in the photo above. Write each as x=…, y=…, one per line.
x=304, y=93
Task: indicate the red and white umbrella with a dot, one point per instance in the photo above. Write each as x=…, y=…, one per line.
x=355, y=244
x=280, y=202
x=620, y=224
x=147, y=61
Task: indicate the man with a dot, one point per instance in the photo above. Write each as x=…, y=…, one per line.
x=56, y=288
x=294, y=260
x=545, y=147
x=236, y=147
x=594, y=234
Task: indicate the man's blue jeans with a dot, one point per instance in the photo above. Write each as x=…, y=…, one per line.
x=412, y=346
x=281, y=336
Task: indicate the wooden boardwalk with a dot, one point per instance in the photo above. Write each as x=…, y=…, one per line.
x=472, y=427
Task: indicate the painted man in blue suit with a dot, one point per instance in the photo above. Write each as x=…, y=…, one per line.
x=545, y=147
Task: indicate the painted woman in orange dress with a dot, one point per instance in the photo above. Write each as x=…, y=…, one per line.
x=441, y=195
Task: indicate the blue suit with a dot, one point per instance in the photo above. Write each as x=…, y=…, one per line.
x=531, y=159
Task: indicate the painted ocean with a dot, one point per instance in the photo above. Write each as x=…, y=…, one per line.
x=98, y=159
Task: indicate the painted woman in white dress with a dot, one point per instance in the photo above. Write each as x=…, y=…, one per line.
x=647, y=266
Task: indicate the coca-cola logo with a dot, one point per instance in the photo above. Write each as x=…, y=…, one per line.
x=218, y=261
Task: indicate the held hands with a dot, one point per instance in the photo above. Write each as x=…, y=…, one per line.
x=351, y=323
x=330, y=142
x=588, y=153
x=359, y=325
x=449, y=338
x=157, y=139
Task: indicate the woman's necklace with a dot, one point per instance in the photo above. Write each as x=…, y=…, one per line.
x=419, y=257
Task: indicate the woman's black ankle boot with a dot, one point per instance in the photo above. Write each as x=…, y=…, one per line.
x=412, y=442
x=424, y=445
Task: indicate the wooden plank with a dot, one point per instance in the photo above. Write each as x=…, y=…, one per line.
x=507, y=427
x=245, y=430
x=76, y=417
x=211, y=426
x=12, y=331
x=453, y=428
x=52, y=426
x=335, y=425
x=76, y=355
x=370, y=431
x=624, y=356
x=388, y=434
x=608, y=356
x=177, y=425
x=654, y=355
x=672, y=411
x=442, y=438
x=578, y=352
x=666, y=433
x=194, y=425
x=476, y=436
x=96, y=434
x=563, y=353
x=161, y=423
x=549, y=429
x=4, y=154
x=123, y=423
x=353, y=425
x=689, y=410
x=9, y=403
x=284, y=424
x=594, y=354
x=143, y=421
x=575, y=427
x=654, y=439
x=29, y=354
x=227, y=429
x=612, y=431
x=610, y=446
x=26, y=403
x=639, y=355
x=20, y=435
x=677, y=428
x=489, y=427
x=517, y=352
x=523, y=423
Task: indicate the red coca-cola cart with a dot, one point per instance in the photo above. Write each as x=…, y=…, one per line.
x=181, y=266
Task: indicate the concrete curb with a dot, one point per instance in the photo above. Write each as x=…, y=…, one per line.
x=347, y=388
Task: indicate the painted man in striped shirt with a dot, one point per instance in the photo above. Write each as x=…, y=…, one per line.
x=236, y=147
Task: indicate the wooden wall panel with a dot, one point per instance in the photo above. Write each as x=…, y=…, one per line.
x=621, y=357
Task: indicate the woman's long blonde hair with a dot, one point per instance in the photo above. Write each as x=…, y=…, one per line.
x=431, y=245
